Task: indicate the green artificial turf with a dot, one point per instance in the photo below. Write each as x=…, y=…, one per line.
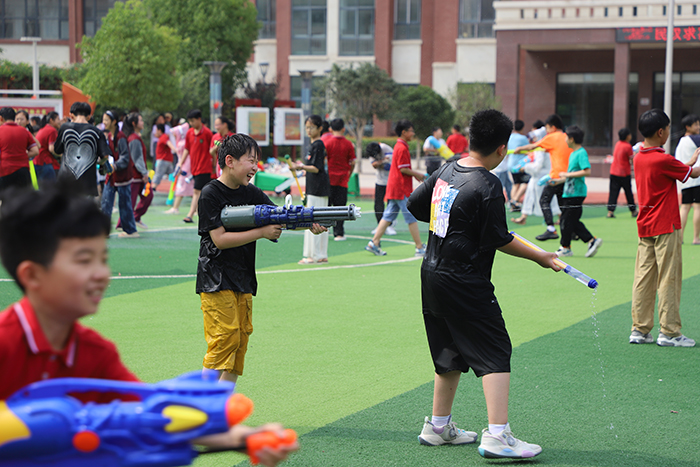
x=339, y=350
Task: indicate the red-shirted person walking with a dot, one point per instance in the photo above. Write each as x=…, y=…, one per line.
x=197, y=144
x=341, y=161
x=17, y=146
x=46, y=163
x=398, y=189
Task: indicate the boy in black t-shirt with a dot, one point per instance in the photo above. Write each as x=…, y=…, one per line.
x=226, y=278
x=465, y=206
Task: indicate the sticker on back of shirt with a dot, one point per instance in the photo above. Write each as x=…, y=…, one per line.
x=440, y=205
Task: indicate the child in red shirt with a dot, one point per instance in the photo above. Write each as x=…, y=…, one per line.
x=621, y=173
x=658, y=266
x=54, y=244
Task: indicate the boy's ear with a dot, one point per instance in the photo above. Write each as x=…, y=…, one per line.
x=29, y=274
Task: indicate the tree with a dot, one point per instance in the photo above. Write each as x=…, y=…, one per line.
x=213, y=30
x=426, y=109
x=469, y=98
x=358, y=94
x=131, y=63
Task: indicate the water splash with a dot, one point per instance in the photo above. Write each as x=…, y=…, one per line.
x=601, y=361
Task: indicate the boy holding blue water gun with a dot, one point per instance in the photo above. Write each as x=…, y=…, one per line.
x=465, y=206
x=53, y=244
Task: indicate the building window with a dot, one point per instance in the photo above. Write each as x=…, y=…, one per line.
x=318, y=93
x=267, y=15
x=308, y=27
x=47, y=19
x=93, y=12
x=586, y=100
x=356, y=27
x=476, y=18
x=685, y=99
x=407, y=19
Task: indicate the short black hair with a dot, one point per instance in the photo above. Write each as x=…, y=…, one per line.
x=401, y=126
x=575, y=133
x=457, y=128
x=237, y=146
x=226, y=122
x=435, y=128
x=315, y=120
x=488, y=130
x=623, y=133
x=81, y=108
x=689, y=120
x=8, y=114
x=161, y=127
x=555, y=121
x=337, y=124
x=194, y=114
x=518, y=125
x=538, y=124
x=34, y=222
x=374, y=150
x=652, y=121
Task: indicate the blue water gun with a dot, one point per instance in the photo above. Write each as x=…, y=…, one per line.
x=521, y=163
x=291, y=217
x=41, y=425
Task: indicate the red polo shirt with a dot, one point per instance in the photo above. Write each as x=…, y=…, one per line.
x=198, y=146
x=399, y=185
x=457, y=142
x=621, y=159
x=341, y=154
x=163, y=152
x=656, y=173
x=27, y=357
x=45, y=137
x=14, y=143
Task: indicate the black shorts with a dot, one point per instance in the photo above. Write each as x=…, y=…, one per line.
x=201, y=180
x=465, y=329
x=690, y=195
x=520, y=177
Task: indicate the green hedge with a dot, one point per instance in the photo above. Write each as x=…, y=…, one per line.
x=19, y=76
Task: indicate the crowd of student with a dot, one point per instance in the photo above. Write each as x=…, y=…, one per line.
x=463, y=201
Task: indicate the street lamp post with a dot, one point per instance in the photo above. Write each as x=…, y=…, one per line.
x=306, y=103
x=264, y=66
x=215, y=89
x=668, y=75
x=35, y=65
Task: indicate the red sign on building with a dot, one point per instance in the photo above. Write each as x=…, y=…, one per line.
x=658, y=34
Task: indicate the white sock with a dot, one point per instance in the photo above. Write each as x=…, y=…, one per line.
x=497, y=429
x=550, y=228
x=440, y=421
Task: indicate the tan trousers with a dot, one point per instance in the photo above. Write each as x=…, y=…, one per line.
x=658, y=268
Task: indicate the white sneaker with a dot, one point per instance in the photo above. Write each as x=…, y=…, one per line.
x=390, y=231
x=128, y=235
x=506, y=445
x=593, y=247
x=339, y=238
x=420, y=251
x=564, y=252
x=638, y=338
x=142, y=225
x=448, y=434
x=680, y=341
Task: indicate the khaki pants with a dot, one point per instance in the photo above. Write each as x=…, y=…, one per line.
x=658, y=268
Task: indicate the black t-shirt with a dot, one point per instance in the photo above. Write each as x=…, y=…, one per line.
x=317, y=184
x=232, y=268
x=82, y=145
x=466, y=210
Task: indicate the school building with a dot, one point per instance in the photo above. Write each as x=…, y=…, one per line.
x=599, y=64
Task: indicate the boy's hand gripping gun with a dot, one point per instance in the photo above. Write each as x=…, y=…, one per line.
x=41, y=425
x=570, y=270
x=291, y=217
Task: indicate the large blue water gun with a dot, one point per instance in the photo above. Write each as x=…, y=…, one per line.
x=42, y=425
x=291, y=217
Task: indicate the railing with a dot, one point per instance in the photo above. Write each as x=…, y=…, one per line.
x=565, y=14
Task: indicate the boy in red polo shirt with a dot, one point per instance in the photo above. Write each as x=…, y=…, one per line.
x=658, y=266
x=197, y=144
x=398, y=189
x=17, y=146
x=164, y=155
x=341, y=161
x=457, y=142
x=54, y=244
x=46, y=163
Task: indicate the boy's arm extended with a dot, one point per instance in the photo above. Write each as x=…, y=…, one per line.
x=543, y=258
x=417, y=175
x=577, y=174
x=223, y=239
x=695, y=173
x=237, y=435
